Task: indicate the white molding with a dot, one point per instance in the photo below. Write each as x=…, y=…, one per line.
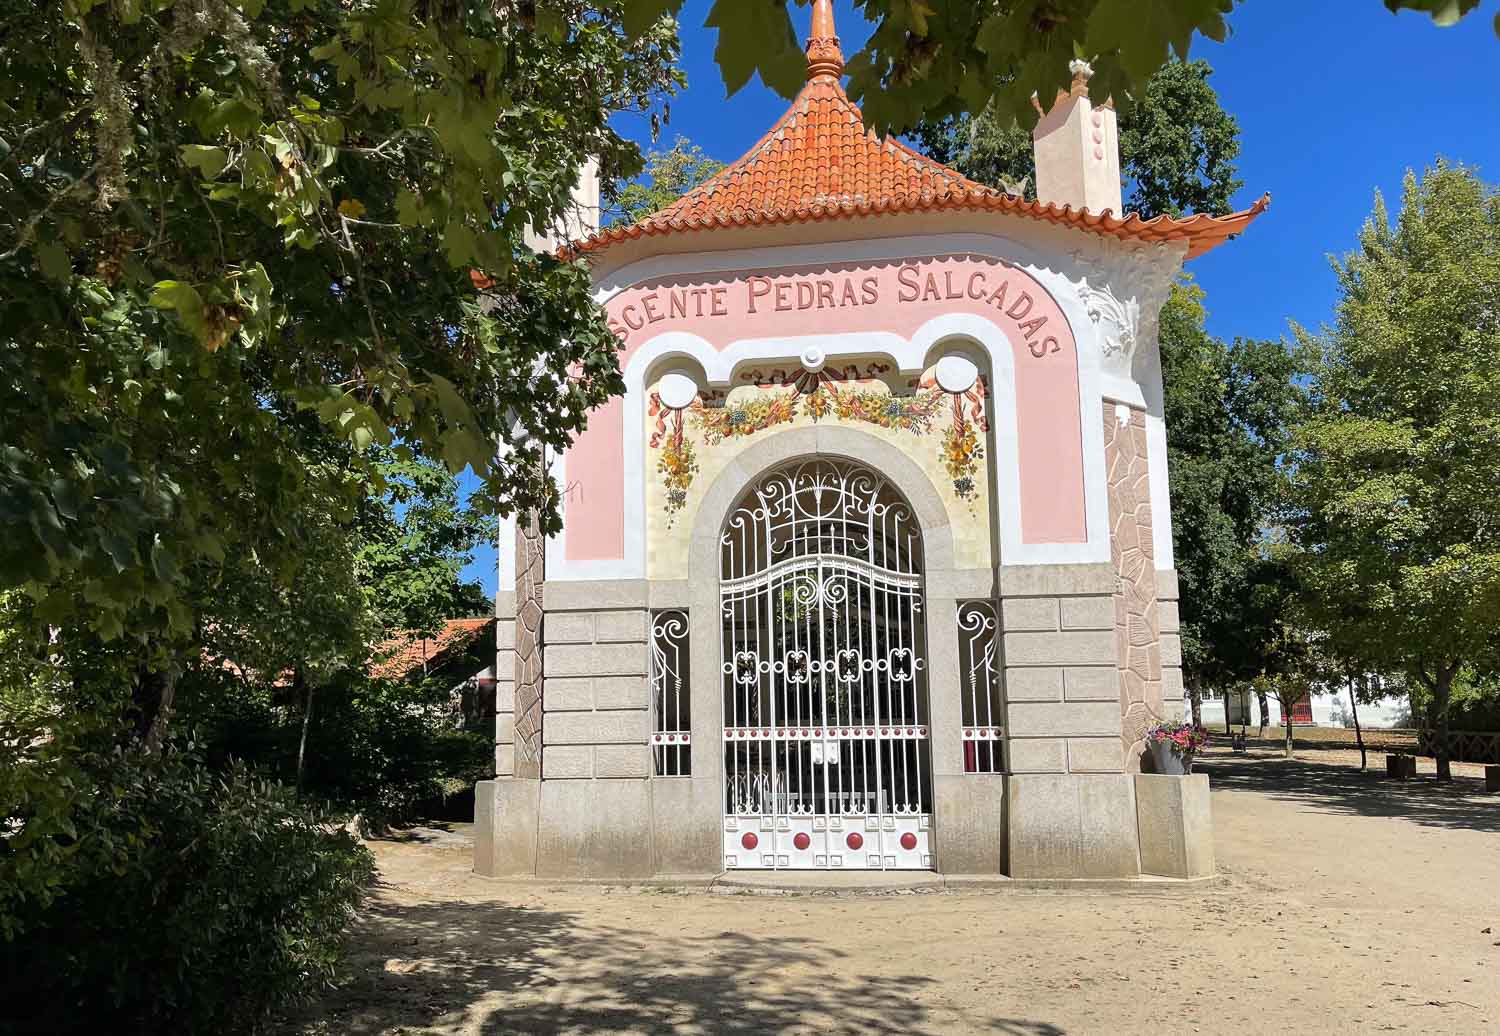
x=956, y=373
x=505, y=554
x=864, y=250
x=1148, y=370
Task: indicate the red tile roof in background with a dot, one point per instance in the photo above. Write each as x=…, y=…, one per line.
x=402, y=654
x=820, y=163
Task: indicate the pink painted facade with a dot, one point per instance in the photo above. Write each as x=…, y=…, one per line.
x=889, y=297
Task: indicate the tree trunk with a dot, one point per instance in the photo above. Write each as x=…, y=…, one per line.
x=1286, y=724
x=1358, y=734
x=307, y=704
x=1265, y=713
x=152, y=697
x=1442, y=688
x=1195, y=699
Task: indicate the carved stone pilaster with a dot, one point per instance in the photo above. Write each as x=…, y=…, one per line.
x=530, y=579
x=1123, y=290
x=1131, y=549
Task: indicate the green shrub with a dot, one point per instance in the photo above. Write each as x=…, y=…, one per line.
x=154, y=894
x=383, y=747
x=376, y=747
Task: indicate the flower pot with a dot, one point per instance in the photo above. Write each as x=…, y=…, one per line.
x=1169, y=761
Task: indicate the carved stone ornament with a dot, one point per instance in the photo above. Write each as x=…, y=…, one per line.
x=1123, y=290
x=677, y=390
x=530, y=574
x=956, y=373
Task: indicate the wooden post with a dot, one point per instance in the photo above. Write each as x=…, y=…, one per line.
x=1358, y=735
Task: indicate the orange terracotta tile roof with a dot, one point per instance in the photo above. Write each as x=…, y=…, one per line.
x=403, y=653
x=820, y=163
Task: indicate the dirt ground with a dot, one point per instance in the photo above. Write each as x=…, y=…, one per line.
x=1347, y=904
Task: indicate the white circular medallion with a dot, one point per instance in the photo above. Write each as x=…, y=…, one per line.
x=956, y=374
x=677, y=390
x=813, y=359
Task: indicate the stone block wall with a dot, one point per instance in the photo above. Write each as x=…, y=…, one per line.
x=505, y=684
x=596, y=701
x=1062, y=696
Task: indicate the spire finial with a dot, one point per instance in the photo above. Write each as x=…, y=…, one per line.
x=824, y=58
x=1082, y=73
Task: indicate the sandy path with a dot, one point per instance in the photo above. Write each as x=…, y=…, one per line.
x=1348, y=904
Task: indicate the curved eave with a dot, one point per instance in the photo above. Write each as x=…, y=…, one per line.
x=1201, y=232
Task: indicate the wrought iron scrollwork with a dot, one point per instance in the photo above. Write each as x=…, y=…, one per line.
x=825, y=695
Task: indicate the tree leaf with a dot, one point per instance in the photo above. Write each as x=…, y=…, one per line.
x=209, y=161
x=184, y=299
x=176, y=295
x=756, y=36
x=53, y=259
x=640, y=15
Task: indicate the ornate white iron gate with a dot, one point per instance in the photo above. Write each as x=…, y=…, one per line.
x=826, y=758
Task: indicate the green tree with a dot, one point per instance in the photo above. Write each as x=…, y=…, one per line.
x=294, y=641
x=1228, y=409
x=935, y=58
x=668, y=175
x=412, y=544
x=1395, y=475
x=231, y=228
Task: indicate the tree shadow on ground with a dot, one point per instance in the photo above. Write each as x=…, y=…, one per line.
x=487, y=968
x=440, y=834
x=1342, y=789
x=424, y=831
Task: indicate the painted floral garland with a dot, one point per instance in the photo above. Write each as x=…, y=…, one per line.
x=743, y=419
x=822, y=394
x=912, y=413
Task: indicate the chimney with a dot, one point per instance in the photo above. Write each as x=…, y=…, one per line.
x=1078, y=149
x=581, y=219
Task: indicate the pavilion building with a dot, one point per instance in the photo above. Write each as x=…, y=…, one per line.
x=870, y=567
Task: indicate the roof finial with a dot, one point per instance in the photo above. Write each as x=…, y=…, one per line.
x=824, y=58
x=1082, y=73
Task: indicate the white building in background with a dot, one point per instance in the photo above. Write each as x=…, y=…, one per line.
x=1323, y=709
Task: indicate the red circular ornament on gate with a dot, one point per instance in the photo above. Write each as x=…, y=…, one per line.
x=748, y=840
x=908, y=841
x=855, y=840
x=801, y=840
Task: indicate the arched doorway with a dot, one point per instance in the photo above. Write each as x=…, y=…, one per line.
x=826, y=753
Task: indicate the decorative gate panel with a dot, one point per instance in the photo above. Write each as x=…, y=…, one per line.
x=826, y=757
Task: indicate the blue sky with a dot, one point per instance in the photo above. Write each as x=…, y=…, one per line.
x=1335, y=99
